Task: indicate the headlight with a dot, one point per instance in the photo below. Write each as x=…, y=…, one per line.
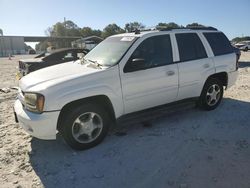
x=34, y=102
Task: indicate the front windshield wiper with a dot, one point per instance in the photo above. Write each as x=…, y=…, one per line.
x=82, y=60
x=94, y=62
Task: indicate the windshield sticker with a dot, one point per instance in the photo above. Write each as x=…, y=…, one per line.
x=127, y=39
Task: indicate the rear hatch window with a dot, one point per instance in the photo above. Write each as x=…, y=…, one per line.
x=219, y=43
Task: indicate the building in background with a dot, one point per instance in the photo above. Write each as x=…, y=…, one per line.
x=11, y=45
x=87, y=42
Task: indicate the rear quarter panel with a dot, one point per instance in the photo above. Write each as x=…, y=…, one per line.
x=225, y=63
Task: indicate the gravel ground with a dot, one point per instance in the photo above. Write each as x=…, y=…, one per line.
x=188, y=148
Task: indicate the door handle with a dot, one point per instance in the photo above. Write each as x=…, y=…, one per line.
x=206, y=65
x=170, y=73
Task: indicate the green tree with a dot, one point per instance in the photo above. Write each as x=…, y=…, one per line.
x=70, y=25
x=170, y=25
x=60, y=29
x=87, y=31
x=111, y=29
x=132, y=26
x=194, y=25
x=97, y=32
x=1, y=32
x=239, y=39
x=42, y=46
x=67, y=28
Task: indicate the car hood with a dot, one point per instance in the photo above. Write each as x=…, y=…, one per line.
x=43, y=78
x=30, y=61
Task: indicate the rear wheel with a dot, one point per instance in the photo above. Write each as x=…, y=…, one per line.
x=211, y=95
x=246, y=49
x=85, y=127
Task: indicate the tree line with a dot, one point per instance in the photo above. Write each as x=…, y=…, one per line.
x=69, y=28
x=239, y=39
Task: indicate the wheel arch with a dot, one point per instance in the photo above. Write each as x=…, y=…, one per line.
x=102, y=100
x=221, y=76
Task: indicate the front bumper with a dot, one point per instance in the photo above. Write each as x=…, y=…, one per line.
x=41, y=126
x=232, y=77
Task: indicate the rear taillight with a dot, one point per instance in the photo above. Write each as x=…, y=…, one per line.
x=237, y=61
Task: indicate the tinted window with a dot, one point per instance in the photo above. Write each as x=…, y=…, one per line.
x=190, y=47
x=219, y=43
x=155, y=51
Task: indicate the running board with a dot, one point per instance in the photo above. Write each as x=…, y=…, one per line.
x=157, y=112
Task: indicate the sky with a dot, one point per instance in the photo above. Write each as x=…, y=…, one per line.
x=33, y=17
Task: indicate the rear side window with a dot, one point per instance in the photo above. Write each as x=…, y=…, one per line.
x=219, y=43
x=190, y=47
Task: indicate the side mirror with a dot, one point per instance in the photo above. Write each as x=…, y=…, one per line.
x=135, y=65
x=138, y=61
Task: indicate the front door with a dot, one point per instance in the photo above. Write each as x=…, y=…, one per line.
x=150, y=78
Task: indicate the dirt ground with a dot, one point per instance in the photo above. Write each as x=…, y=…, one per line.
x=188, y=149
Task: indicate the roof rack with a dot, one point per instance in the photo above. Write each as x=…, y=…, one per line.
x=138, y=31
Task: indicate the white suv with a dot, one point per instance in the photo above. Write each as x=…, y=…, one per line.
x=125, y=73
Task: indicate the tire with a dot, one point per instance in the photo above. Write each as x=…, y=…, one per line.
x=85, y=126
x=246, y=49
x=211, y=94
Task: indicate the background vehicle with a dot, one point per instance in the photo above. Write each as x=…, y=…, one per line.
x=48, y=59
x=122, y=75
x=244, y=45
x=31, y=51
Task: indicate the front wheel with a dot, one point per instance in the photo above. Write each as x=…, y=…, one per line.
x=211, y=95
x=85, y=127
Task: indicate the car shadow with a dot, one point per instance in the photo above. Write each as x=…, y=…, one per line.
x=243, y=64
x=144, y=156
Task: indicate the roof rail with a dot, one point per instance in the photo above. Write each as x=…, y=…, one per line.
x=138, y=31
x=163, y=28
x=203, y=28
x=192, y=28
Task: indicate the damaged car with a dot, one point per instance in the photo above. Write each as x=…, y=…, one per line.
x=48, y=59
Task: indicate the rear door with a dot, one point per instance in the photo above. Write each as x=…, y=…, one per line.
x=194, y=64
x=150, y=77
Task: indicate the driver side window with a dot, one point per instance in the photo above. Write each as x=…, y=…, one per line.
x=152, y=52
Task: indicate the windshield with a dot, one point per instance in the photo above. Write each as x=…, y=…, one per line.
x=110, y=51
